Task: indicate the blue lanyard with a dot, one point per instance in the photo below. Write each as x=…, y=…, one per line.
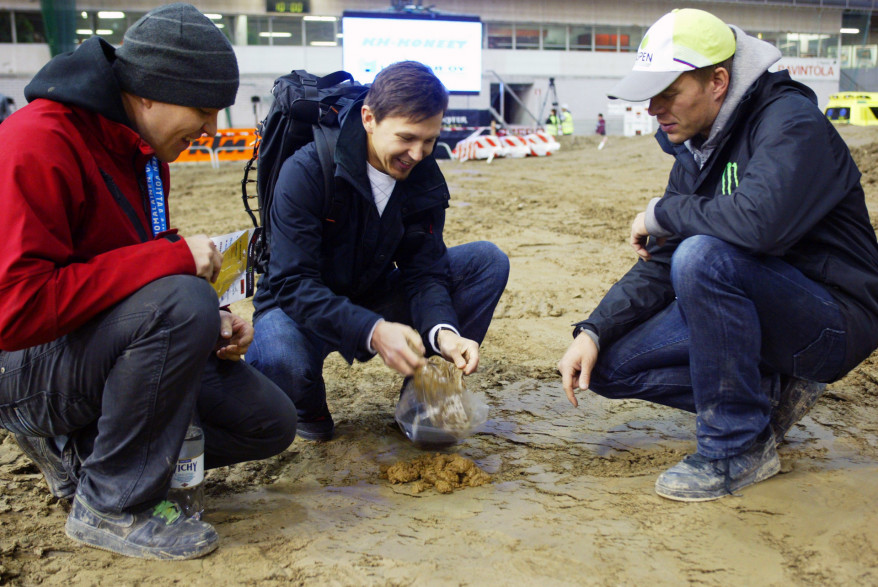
x=159, y=220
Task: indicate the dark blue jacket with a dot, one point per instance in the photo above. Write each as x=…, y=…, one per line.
x=325, y=275
x=781, y=182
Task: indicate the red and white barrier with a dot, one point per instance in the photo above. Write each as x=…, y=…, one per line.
x=486, y=146
x=542, y=144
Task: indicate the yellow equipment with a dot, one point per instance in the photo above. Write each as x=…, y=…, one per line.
x=859, y=108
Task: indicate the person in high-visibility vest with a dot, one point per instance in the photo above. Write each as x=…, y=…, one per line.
x=552, y=123
x=566, y=120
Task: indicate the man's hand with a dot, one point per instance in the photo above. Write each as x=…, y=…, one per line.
x=576, y=365
x=463, y=352
x=399, y=345
x=208, y=259
x=236, y=334
x=639, y=236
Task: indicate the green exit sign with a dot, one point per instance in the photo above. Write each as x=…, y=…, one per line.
x=287, y=7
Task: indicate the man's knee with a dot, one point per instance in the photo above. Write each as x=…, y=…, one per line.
x=494, y=260
x=187, y=305
x=700, y=259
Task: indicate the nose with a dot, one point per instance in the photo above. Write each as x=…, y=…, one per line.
x=210, y=126
x=655, y=106
x=416, y=152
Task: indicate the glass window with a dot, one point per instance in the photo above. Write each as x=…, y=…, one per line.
x=499, y=36
x=5, y=26
x=224, y=23
x=258, y=31
x=606, y=38
x=320, y=32
x=29, y=27
x=580, y=38
x=789, y=44
x=111, y=25
x=286, y=30
x=527, y=36
x=829, y=47
x=629, y=38
x=554, y=37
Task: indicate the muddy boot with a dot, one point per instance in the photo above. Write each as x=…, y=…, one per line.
x=47, y=457
x=161, y=532
x=797, y=397
x=697, y=478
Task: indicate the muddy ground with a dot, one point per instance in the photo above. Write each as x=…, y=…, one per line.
x=571, y=500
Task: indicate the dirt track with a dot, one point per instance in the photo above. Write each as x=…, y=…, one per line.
x=571, y=499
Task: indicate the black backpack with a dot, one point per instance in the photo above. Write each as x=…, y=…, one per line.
x=306, y=108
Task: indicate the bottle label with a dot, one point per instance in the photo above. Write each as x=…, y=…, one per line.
x=189, y=472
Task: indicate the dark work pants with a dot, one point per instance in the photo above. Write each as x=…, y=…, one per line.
x=118, y=394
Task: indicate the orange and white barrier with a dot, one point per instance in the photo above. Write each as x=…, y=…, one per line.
x=514, y=146
x=542, y=144
x=479, y=147
x=487, y=146
x=229, y=144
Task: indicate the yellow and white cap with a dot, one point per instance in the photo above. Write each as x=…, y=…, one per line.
x=682, y=40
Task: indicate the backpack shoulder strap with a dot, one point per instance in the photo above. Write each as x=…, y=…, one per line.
x=325, y=140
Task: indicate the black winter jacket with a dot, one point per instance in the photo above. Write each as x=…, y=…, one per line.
x=781, y=182
x=325, y=275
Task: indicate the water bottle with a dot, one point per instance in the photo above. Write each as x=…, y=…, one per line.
x=187, y=484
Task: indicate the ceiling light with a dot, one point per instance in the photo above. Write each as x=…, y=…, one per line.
x=110, y=14
x=849, y=31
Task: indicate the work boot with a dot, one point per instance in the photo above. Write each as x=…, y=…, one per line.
x=318, y=428
x=47, y=457
x=697, y=478
x=161, y=532
x=797, y=397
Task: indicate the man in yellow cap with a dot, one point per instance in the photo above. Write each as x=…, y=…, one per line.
x=758, y=268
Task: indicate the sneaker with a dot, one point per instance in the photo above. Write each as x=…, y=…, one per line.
x=797, y=397
x=47, y=457
x=160, y=533
x=319, y=429
x=697, y=478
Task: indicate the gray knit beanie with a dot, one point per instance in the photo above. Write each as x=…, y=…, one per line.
x=175, y=54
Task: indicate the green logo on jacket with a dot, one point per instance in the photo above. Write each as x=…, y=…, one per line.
x=730, y=178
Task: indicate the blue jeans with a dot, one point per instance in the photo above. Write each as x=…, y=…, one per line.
x=292, y=356
x=739, y=321
x=118, y=394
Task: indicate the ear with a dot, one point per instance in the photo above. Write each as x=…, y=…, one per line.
x=720, y=82
x=368, y=118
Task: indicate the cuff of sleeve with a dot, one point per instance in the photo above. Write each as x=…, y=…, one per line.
x=652, y=224
x=591, y=334
x=434, y=332
x=369, y=337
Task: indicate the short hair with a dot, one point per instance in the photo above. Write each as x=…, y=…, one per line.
x=703, y=74
x=409, y=89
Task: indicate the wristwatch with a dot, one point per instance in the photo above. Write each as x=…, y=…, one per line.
x=578, y=330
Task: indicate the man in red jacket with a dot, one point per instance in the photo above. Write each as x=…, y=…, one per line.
x=111, y=340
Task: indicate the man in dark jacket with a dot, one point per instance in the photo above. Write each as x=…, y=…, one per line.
x=378, y=277
x=758, y=270
x=111, y=339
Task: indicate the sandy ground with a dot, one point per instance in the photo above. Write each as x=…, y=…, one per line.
x=571, y=499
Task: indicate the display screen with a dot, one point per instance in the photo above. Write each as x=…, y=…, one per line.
x=450, y=45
